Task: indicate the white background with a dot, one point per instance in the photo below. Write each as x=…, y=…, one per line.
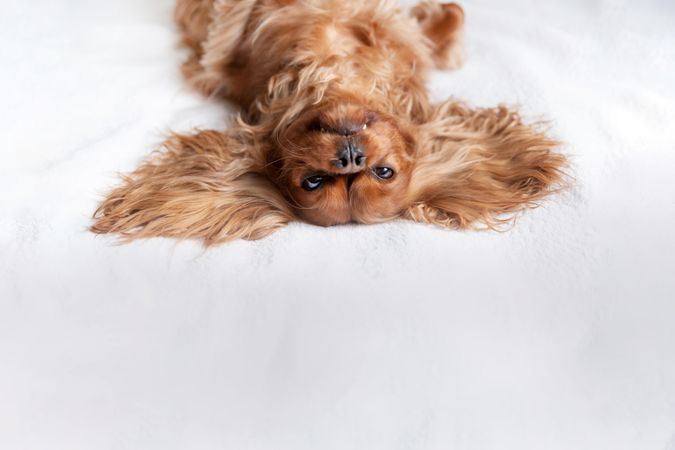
x=559, y=334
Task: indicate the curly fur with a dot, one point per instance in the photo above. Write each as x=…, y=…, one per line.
x=303, y=71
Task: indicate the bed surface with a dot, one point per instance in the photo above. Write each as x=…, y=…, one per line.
x=558, y=334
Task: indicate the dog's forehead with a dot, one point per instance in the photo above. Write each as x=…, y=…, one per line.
x=363, y=201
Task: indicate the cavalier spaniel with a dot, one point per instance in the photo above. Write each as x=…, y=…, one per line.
x=335, y=126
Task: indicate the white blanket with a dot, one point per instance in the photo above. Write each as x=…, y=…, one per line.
x=558, y=334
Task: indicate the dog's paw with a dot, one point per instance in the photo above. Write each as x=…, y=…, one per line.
x=452, y=58
x=443, y=25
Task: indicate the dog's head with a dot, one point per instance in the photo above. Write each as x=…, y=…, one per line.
x=345, y=163
x=333, y=165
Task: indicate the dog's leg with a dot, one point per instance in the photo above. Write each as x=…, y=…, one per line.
x=443, y=24
x=212, y=29
x=193, y=18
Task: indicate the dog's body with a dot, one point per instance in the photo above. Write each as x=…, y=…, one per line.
x=336, y=126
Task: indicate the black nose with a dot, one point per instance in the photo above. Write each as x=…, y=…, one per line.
x=351, y=156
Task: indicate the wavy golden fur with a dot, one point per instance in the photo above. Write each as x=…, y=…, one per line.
x=335, y=126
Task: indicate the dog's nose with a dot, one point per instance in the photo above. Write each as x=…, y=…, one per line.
x=351, y=157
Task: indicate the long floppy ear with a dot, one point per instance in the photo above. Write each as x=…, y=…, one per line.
x=480, y=166
x=206, y=186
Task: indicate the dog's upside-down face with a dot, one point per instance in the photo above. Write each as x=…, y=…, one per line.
x=336, y=127
x=345, y=163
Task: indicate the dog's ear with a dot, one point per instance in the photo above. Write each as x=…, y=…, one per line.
x=206, y=186
x=480, y=167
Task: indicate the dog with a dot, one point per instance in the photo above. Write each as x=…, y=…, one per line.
x=335, y=126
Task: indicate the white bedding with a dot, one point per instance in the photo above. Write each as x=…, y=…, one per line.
x=558, y=334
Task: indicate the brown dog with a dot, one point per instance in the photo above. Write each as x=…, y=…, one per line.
x=336, y=126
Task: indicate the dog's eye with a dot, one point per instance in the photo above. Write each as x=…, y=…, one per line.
x=312, y=183
x=383, y=173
